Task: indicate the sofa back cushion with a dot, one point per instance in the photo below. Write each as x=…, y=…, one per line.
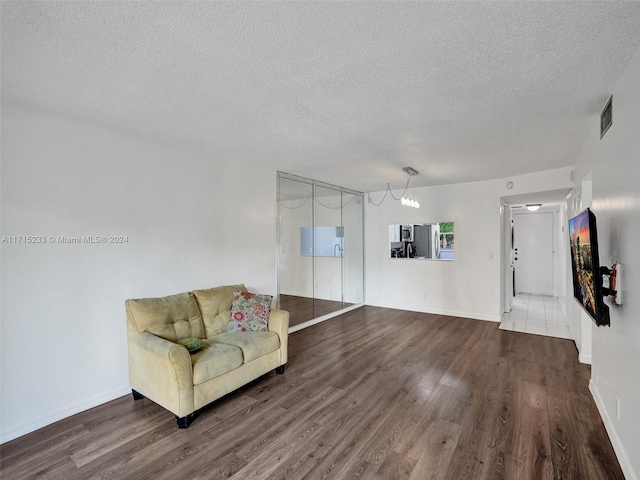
x=215, y=305
x=173, y=317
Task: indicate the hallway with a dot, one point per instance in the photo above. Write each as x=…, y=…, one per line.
x=537, y=314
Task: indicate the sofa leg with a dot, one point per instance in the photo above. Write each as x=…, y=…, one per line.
x=280, y=369
x=136, y=395
x=184, y=422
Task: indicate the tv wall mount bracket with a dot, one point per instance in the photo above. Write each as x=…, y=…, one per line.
x=613, y=290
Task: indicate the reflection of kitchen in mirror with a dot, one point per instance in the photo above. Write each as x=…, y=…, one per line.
x=433, y=241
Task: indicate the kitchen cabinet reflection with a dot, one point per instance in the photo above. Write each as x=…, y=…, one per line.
x=433, y=241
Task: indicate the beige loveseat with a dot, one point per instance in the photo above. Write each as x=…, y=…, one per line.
x=166, y=373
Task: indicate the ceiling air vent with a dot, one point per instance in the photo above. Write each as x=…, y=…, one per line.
x=606, y=118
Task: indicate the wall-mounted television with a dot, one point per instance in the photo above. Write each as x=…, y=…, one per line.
x=585, y=267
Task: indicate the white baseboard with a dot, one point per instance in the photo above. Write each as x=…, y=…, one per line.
x=629, y=474
x=582, y=358
x=313, y=321
x=61, y=413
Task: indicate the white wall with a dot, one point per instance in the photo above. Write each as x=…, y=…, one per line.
x=469, y=286
x=564, y=265
x=192, y=222
x=615, y=165
x=506, y=279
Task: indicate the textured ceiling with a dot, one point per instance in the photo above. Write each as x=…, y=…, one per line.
x=344, y=92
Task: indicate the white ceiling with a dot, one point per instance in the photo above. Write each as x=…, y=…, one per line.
x=344, y=92
x=550, y=200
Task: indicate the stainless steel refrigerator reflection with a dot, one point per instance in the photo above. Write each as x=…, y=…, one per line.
x=427, y=240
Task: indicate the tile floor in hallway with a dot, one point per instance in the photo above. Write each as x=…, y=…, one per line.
x=538, y=314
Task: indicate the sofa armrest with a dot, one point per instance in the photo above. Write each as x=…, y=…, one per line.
x=161, y=371
x=279, y=323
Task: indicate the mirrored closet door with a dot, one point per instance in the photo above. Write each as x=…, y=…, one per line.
x=320, y=248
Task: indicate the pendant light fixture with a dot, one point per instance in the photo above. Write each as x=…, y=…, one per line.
x=406, y=201
x=409, y=202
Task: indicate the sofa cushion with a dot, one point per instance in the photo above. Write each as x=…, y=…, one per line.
x=214, y=359
x=249, y=312
x=215, y=304
x=253, y=344
x=173, y=317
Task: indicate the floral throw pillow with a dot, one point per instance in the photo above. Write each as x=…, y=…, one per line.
x=249, y=312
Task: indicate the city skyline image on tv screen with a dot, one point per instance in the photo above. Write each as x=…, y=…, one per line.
x=584, y=287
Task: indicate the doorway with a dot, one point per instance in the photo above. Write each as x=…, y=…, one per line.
x=533, y=272
x=533, y=253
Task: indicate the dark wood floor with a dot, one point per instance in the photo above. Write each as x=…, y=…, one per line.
x=374, y=393
x=302, y=309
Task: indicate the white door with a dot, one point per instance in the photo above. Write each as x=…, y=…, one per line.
x=533, y=253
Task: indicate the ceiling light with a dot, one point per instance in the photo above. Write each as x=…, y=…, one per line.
x=410, y=202
x=532, y=207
